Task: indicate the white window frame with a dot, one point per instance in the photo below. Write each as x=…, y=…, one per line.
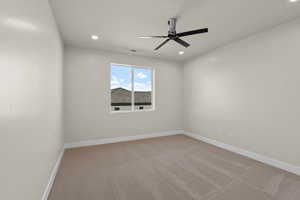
x=132, y=88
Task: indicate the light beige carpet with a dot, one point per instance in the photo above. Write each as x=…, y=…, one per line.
x=168, y=168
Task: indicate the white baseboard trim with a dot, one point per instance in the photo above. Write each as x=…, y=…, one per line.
x=255, y=156
x=52, y=176
x=120, y=139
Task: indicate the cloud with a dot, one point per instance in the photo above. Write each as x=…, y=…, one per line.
x=115, y=83
x=141, y=75
x=142, y=86
x=114, y=80
x=138, y=86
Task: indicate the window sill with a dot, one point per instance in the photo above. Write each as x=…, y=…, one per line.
x=131, y=111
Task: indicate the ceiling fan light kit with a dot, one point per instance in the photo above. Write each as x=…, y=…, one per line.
x=172, y=35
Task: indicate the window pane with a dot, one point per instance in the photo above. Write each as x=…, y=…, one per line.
x=142, y=89
x=120, y=87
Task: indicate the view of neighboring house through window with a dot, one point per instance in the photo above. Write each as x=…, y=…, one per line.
x=131, y=88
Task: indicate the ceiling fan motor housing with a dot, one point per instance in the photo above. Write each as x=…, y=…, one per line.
x=172, y=27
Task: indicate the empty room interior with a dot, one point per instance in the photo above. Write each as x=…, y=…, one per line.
x=150, y=100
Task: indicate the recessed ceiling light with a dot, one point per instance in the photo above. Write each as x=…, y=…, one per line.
x=95, y=37
x=181, y=52
x=293, y=1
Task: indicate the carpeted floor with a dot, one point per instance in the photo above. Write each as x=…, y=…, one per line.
x=168, y=168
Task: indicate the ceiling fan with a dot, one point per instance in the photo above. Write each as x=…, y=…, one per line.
x=172, y=35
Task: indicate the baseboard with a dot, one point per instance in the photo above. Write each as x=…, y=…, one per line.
x=255, y=156
x=120, y=139
x=52, y=176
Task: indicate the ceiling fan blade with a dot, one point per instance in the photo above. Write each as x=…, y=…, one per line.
x=162, y=44
x=148, y=37
x=183, y=43
x=198, y=31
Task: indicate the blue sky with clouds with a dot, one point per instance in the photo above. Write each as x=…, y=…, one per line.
x=121, y=77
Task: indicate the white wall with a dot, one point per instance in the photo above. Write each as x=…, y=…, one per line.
x=87, y=100
x=247, y=94
x=30, y=98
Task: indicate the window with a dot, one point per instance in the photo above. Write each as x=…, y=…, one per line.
x=131, y=88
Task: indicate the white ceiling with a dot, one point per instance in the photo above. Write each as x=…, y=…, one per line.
x=119, y=22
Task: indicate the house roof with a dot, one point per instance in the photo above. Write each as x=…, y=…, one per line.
x=121, y=96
